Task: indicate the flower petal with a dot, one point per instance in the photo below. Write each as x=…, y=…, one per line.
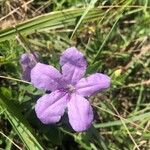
x=27, y=61
x=74, y=57
x=45, y=77
x=80, y=113
x=25, y=58
x=72, y=74
x=92, y=84
x=50, y=107
x=26, y=73
x=73, y=65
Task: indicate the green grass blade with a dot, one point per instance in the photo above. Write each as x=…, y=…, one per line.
x=107, y=37
x=91, y=5
x=19, y=124
x=126, y=121
x=54, y=20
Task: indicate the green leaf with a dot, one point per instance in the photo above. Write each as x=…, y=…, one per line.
x=53, y=20
x=19, y=124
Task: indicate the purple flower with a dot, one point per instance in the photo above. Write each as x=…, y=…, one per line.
x=28, y=61
x=68, y=90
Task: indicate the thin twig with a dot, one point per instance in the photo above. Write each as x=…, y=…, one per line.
x=143, y=51
x=15, y=10
x=10, y=140
x=14, y=79
x=147, y=82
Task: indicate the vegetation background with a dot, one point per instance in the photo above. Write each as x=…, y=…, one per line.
x=114, y=35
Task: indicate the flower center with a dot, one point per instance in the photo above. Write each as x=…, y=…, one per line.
x=71, y=88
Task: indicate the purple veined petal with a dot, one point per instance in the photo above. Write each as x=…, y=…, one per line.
x=74, y=57
x=26, y=73
x=50, y=107
x=72, y=74
x=92, y=84
x=27, y=61
x=45, y=77
x=80, y=113
x=73, y=65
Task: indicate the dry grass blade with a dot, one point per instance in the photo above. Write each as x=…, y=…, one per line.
x=125, y=127
x=147, y=82
x=125, y=119
x=11, y=141
x=10, y=13
x=14, y=79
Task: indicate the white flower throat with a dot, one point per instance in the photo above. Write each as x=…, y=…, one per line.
x=71, y=88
